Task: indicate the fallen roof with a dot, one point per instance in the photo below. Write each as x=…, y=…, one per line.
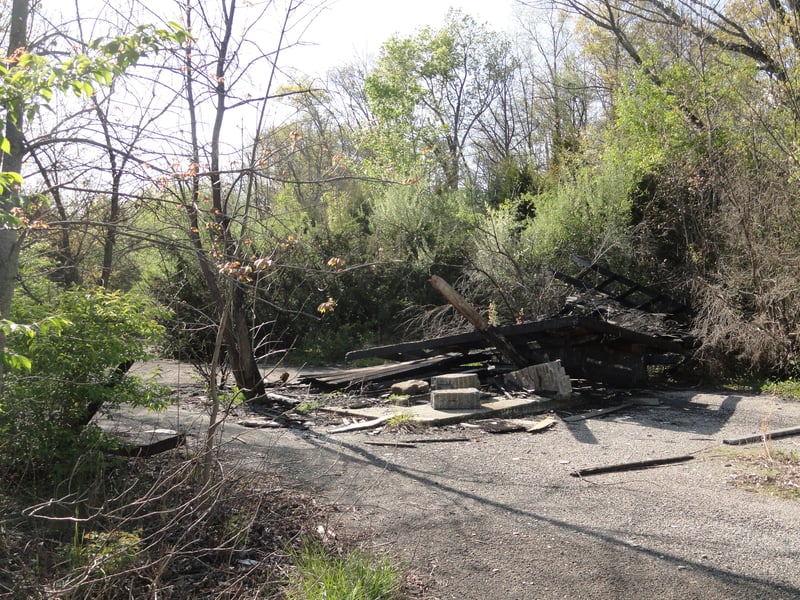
x=545, y=333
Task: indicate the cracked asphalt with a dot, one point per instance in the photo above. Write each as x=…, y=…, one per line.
x=502, y=516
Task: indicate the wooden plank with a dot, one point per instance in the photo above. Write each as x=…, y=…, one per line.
x=469, y=312
x=391, y=444
x=758, y=437
x=521, y=334
x=542, y=425
x=361, y=425
x=436, y=440
x=597, y=413
x=500, y=426
x=147, y=450
x=380, y=372
x=632, y=466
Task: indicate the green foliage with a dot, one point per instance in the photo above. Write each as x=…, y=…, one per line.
x=427, y=93
x=320, y=574
x=15, y=361
x=106, y=328
x=786, y=388
x=512, y=181
x=78, y=363
x=587, y=213
x=109, y=552
x=412, y=223
x=29, y=81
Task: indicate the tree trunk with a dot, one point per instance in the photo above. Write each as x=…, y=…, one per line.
x=12, y=163
x=483, y=327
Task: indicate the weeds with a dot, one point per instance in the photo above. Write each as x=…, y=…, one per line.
x=403, y=423
x=788, y=388
x=319, y=574
x=770, y=471
x=308, y=406
x=159, y=532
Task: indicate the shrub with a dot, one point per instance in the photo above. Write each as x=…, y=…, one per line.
x=75, y=370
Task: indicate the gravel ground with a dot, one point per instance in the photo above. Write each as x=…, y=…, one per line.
x=500, y=516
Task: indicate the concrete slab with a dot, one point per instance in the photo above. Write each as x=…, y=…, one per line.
x=497, y=407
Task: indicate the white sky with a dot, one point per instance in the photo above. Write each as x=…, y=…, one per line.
x=353, y=28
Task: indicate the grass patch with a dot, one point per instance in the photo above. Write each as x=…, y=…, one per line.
x=308, y=406
x=322, y=575
x=788, y=388
x=773, y=472
x=403, y=423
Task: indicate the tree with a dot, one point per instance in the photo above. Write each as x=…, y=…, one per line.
x=222, y=185
x=29, y=82
x=429, y=91
x=14, y=106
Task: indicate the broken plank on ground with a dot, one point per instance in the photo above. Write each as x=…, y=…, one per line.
x=151, y=449
x=500, y=426
x=758, y=437
x=391, y=444
x=361, y=425
x=357, y=376
x=435, y=440
x=542, y=425
x=632, y=466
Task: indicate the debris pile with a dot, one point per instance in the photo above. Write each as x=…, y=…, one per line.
x=614, y=332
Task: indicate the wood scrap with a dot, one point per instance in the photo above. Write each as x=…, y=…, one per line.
x=500, y=426
x=436, y=440
x=632, y=466
x=260, y=424
x=477, y=320
x=542, y=425
x=597, y=413
x=146, y=450
x=361, y=425
x=392, y=444
x=282, y=398
x=758, y=437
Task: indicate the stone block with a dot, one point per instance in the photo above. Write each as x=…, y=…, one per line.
x=455, y=381
x=412, y=387
x=456, y=399
x=547, y=377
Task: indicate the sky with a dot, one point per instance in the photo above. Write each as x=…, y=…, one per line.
x=355, y=28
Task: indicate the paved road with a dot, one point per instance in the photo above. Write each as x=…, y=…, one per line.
x=499, y=516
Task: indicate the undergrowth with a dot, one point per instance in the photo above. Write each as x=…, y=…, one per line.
x=155, y=532
x=319, y=574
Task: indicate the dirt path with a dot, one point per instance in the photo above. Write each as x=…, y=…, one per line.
x=499, y=516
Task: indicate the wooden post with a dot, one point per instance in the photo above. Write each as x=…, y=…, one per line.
x=469, y=312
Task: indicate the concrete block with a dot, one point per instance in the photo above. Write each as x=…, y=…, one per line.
x=455, y=381
x=546, y=377
x=463, y=398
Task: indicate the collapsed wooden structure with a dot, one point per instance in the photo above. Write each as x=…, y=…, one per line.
x=588, y=346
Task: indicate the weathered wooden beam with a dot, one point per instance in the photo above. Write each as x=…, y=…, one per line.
x=469, y=312
x=361, y=425
x=632, y=466
x=391, y=444
x=147, y=450
x=758, y=437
